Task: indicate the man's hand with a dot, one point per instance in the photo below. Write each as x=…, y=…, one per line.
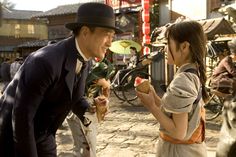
x=105, y=84
x=101, y=100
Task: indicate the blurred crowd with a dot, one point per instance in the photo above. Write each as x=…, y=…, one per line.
x=8, y=70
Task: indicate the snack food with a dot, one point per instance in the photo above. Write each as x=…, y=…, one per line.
x=101, y=108
x=142, y=85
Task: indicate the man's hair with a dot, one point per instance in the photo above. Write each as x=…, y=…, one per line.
x=76, y=31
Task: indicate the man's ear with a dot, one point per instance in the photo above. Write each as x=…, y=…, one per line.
x=84, y=30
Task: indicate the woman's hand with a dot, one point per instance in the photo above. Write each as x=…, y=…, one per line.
x=149, y=100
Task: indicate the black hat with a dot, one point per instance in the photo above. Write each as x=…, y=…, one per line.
x=94, y=14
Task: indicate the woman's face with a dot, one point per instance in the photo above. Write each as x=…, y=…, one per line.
x=132, y=52
x=177, y=56
x=172, y=52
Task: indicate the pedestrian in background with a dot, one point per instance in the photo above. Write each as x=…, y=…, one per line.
x=131, y=64
x=180, y=111
x=98, y=84
x=223, y=79
x=15, y=66
x=51, y=83
x=5, y=73
x=134, y=59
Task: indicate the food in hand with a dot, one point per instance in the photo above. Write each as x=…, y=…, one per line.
x=102, y=107
x=142, y=85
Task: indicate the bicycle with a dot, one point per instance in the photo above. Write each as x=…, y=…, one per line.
x=214, y=106
x=124, y=88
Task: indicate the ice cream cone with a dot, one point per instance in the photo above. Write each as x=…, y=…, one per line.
x=143, y=87
x=101, y=110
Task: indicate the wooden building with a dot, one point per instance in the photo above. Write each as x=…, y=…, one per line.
x=17, y=27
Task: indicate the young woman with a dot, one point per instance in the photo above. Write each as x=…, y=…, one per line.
x=180, y=111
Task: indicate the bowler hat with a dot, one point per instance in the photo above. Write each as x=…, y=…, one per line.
x=94, y=14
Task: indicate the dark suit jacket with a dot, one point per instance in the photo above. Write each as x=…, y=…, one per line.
x=39, y=98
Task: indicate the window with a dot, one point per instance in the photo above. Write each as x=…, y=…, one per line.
x=31, y=29
x=17, y=30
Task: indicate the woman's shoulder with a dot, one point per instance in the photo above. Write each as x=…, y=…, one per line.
x=181, y=93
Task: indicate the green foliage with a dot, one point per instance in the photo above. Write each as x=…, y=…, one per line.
x=103, y=69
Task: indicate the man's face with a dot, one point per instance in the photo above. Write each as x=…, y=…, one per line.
x=98, y=41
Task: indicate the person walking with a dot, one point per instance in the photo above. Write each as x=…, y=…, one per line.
x=51, y=82
x=180, y=111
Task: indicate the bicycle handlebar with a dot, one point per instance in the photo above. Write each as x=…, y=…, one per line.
x=152, y=54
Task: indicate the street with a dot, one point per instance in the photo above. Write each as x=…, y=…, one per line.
x=130, y=132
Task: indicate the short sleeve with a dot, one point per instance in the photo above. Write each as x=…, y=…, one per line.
x=181, y=93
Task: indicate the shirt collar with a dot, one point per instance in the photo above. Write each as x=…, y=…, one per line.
x=79, y=50
x=187, y=66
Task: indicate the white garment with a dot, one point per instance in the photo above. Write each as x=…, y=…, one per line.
x=84, y=137
x=14, y=68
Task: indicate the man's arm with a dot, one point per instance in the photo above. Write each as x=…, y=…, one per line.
x=34, y=81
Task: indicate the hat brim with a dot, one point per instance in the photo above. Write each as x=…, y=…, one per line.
x=73, y=26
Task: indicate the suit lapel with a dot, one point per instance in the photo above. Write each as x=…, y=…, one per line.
x=70, y=64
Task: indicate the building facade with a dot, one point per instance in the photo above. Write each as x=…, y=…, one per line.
x=17, y=27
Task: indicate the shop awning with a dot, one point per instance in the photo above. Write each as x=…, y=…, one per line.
x=216, y=26
x=212, y=27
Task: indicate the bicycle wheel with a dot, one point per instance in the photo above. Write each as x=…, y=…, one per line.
x=214, y=107
x=116, y=85
x=128, y=88
x=117, y=90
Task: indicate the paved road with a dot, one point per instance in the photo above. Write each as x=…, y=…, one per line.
x=130, y=132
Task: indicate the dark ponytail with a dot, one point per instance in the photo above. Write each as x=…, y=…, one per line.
x=192, y=32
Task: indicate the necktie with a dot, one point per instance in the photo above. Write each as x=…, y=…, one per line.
x=82, y=60
x=80, y=70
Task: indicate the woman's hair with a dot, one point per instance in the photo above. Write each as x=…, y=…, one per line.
x=136, y=53
x=192, y=32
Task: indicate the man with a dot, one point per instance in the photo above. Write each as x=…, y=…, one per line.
x=51, y=83
x=223, y=80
